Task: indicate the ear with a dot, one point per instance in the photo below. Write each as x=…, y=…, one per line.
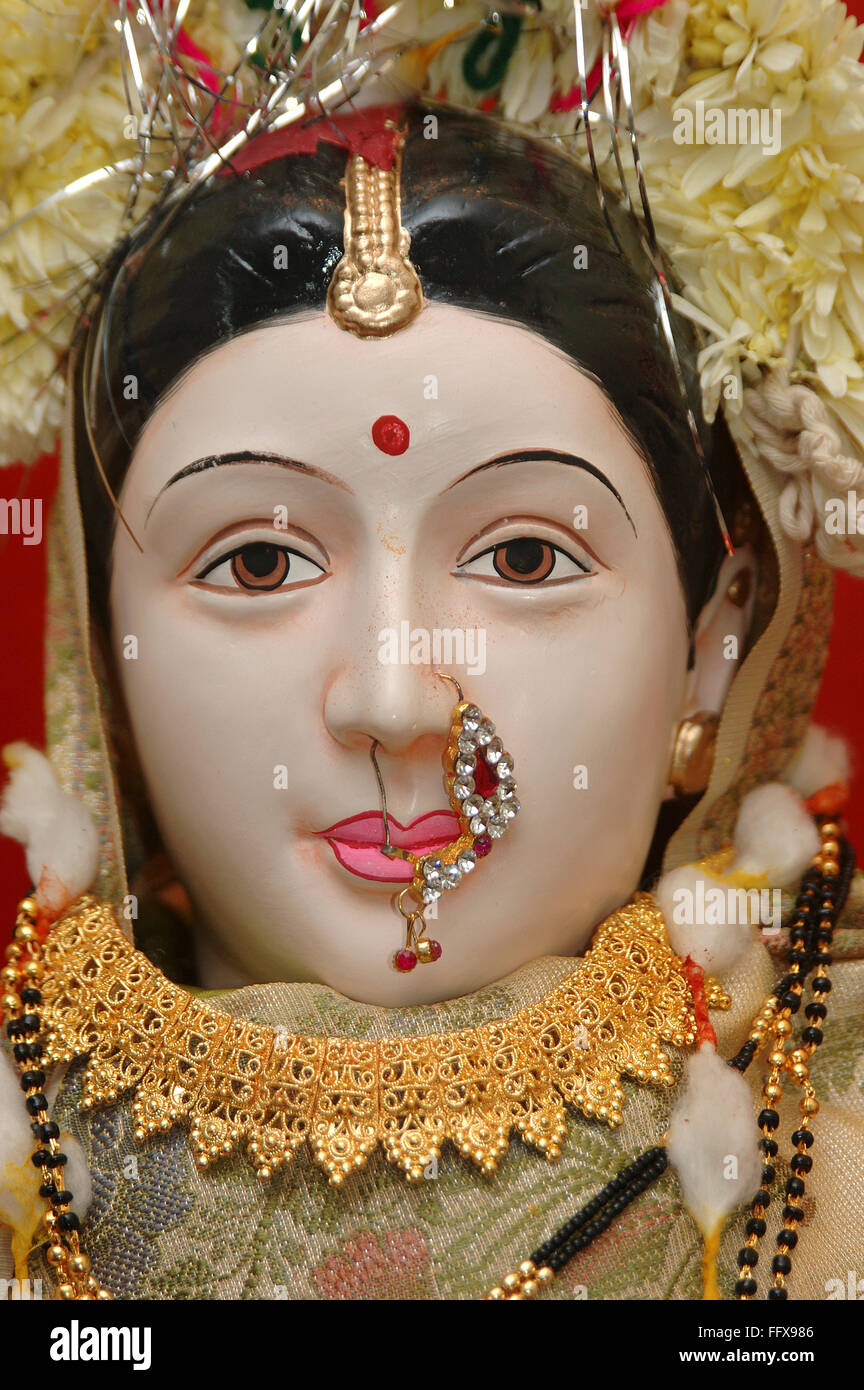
x=721, y=633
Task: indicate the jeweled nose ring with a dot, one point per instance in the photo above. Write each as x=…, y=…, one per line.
x=480, y=786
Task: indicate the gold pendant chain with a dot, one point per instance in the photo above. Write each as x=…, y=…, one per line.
x=22, y=976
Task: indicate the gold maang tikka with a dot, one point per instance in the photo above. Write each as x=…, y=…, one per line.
x=480, y=786
x=375, y=290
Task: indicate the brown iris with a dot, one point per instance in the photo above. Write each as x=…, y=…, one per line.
x=524, y=560
x=260, y=566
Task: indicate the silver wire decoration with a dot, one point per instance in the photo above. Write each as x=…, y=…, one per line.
x=616, y=90
x=306, y=60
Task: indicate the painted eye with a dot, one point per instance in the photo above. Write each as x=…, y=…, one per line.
x=524, y=560
x=259, y=567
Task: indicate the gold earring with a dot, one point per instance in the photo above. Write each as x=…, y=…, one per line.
x=693, y=754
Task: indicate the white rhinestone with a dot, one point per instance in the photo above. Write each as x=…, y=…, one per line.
x=432, y=868
x=477, y=826
x=467, y=861
x=471, y=717
x=462, y=787
x=494, y=751
x=505, y=766
x=430, y=894
x=495, y=829
x=466, y=764
x=506, y=789
x=473, y=806
x=452, y=876
x=485, y=733
x=510, y=808
x=466, y=743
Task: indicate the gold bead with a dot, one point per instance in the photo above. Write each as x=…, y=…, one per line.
x=527, y=1269
x=511, y=1281
x=56, y=1254
x=831, y=868
x=104, y=1296
x=831, y=847
x=800, y=1071
x=831, y=829
x=496, y=1294
x=80, y=1264
x=545, y=1275
x=65, y=1291
x=777, y=1059
x=9, y=975
x=10, y=1004
x=25, y=932
x=28, y=908
x=782, y=1027
x=32, y=969
x=49, y=1220
x=799, y=1055
x=14, y=951
x=773, y=1092
x=810, y=1105
x=530, y=1288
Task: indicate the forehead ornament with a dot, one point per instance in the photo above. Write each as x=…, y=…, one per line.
x=375, y=290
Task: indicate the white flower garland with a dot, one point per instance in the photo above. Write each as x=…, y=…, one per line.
x=767, y=240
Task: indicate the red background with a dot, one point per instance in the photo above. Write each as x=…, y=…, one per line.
x=22, y=585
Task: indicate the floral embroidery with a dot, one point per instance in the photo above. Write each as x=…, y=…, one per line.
x=393, y=1265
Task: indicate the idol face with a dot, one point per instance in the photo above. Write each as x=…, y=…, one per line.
x=326, y=522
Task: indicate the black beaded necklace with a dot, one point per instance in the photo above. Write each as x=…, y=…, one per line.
x=820, y=901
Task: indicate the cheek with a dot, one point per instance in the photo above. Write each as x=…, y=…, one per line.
x=597, y=705
x=212, y=703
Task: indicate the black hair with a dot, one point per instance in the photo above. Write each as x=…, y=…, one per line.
x=496, y=221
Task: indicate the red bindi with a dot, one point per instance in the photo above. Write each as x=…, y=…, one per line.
x=390, y=434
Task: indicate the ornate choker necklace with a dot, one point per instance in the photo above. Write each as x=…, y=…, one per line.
x=232, y=1082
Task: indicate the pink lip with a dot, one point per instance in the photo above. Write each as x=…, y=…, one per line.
x=357, y=841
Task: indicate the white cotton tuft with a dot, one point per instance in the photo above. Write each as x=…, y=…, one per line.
x=775, y=838
x=56, y=829
x=821, y=761
x=713, y=1140
x=703, y=919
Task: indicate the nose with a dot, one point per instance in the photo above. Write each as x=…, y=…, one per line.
x=396, y=702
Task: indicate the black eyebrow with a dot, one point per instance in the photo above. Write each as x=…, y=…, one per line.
x=550, y=456
x=246, y=456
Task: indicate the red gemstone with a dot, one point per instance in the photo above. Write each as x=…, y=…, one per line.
x=484, y=778
x=434, y=949
x=405, y=959
x=482, y=846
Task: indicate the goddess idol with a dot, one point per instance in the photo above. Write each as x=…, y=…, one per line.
x=438, y=889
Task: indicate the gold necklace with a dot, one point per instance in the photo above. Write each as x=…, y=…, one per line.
x=231, y=1081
